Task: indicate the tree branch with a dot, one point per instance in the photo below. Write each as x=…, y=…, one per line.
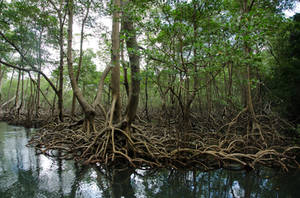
x=31, y=70
x=251, y=5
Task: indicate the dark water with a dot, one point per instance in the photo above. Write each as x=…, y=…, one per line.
x=26, y=175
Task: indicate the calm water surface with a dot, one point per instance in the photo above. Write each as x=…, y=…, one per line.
x=23, y=174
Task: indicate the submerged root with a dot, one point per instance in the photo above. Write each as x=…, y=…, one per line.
x=145, y=146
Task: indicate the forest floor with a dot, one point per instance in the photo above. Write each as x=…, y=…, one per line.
x=208, y=143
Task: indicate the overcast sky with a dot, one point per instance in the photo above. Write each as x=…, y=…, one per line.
x=289, y=13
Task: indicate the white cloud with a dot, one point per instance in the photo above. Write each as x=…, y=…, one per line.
x=296, y=9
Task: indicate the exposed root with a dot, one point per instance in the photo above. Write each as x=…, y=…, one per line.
x=150, y=146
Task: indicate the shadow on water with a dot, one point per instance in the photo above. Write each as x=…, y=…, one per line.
x=25, y=174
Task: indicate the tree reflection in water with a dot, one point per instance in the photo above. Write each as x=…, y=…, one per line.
x=25, y=174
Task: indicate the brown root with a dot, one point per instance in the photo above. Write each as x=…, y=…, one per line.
x=152, y=146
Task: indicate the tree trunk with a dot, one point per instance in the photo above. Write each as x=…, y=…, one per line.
x=30, y=103
x=250, y=108
x=22, y=95
x=230, y=79
x=146, y=94
x=123, y=62
x=134, y=60
x=115, y=75
x=39, y=75
x=89, y=111
x=61, y=69
x=1, y=77
x=208, y=94
x=59, y=92
x=10, y=83
x=247, y=50
x=249, y=95
x=54, y=99
x=97, y=101
x=38, y=96
x=80, y=56
x=17, y=91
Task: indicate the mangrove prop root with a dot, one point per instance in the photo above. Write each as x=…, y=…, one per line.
x=152, y=146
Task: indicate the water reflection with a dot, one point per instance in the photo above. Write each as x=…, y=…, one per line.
x=25, y=174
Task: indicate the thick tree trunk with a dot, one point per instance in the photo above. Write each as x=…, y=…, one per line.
x=115, y=75
x=134, y=61
x=247, y=50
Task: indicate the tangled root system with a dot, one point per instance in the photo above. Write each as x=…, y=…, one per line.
x=239, y=145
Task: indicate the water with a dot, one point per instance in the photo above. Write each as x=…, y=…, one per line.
x=23, y=174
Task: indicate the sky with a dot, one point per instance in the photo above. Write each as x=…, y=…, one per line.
x=289, y=13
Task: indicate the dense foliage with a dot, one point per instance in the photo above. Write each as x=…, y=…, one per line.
x=210, y=78
x=285, y=79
